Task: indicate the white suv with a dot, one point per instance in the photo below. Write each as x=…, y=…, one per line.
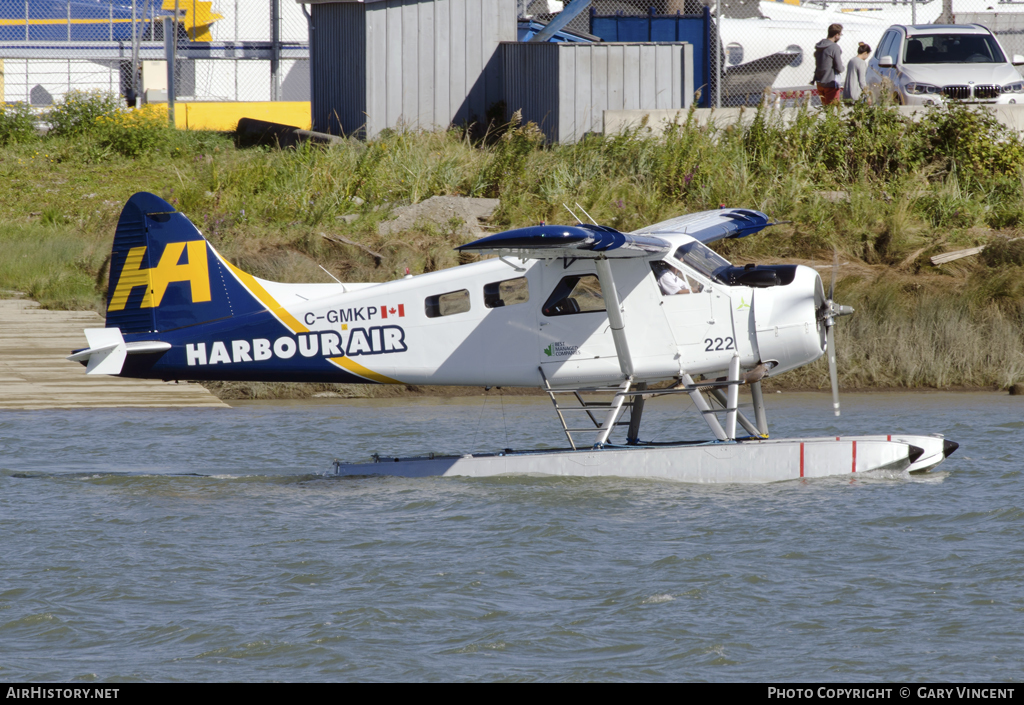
x=934, y=63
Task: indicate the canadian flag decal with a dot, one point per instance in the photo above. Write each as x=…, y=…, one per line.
x=385, y=311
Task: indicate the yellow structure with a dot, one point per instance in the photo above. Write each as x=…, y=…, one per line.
x=197, y=17
x=224, y=117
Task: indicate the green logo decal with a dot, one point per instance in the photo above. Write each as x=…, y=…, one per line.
x=743, y=305
x=548, y=350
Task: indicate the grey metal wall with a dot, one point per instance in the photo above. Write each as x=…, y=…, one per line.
x=412, y=63
x=565, y=88
x=337, y=75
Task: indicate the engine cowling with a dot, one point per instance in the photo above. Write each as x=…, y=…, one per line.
x=786, y=324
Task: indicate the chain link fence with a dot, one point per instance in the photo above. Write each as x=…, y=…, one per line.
x=223, y=50
x=757, y=45
x=258, y=50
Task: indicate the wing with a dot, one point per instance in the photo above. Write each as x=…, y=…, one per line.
x=579, y=241
x=708, y=226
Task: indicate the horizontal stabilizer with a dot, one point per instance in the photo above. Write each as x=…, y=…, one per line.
x=106, y=354
x=708, y=226
x=580, y=241
x=107, y=350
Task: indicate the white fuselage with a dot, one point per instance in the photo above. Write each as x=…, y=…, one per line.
x=694, y=333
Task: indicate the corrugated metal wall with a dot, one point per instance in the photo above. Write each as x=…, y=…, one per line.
x=421, y=63
x=531, y=83
x=337, y=52
x=565, y=88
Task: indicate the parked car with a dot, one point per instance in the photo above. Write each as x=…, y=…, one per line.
x=931, y=64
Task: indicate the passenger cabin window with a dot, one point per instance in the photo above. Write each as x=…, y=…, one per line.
x=701, y=258
x=576, y=294
x=506, y=293
x=447, y=304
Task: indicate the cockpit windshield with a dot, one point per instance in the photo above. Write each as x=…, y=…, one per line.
x=701, y=258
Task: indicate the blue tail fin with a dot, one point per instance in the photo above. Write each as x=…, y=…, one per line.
x=164, y=275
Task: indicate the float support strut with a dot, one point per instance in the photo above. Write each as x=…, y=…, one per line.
x=701, y=403
x=635, y=413
x=759, y=413
x=613, y=415
x=733, y=397
x=744, y=421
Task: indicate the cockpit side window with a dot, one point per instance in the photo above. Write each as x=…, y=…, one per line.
x=672, y=281
x=702, y=259
x=579, y=293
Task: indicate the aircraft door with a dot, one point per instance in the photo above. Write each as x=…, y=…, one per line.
x=690, y=317
x=575, y=341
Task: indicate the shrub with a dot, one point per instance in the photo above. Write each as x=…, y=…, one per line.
x=973, y=141
x=132, y=133
x=882, y=141
x=76, y=113
x=17, y=124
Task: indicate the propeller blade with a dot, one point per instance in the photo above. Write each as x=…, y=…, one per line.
x=833, y=376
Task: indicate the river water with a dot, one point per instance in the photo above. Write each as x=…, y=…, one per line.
x=210, y=545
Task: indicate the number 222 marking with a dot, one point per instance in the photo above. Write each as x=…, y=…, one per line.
x=712, y=347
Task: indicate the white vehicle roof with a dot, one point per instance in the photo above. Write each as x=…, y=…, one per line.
x=941, y=28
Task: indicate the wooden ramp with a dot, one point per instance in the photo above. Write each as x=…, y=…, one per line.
x=34, y=373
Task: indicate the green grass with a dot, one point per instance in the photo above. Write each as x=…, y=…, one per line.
x=53, y=265
x=885, y=192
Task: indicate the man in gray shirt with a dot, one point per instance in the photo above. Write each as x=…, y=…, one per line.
x=828, y=64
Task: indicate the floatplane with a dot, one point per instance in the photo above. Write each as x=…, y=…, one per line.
x=592, y=316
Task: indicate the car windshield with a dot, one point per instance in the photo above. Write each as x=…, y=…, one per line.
x=952, y=49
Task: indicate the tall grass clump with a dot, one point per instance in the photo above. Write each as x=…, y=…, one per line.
x=17, y=124
x=507, y=164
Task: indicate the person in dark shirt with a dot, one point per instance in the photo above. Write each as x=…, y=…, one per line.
x=828, y=64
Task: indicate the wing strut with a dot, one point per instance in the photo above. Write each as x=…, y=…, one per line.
x=614, y=307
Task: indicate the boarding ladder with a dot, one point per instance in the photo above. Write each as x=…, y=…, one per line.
x=568, y=406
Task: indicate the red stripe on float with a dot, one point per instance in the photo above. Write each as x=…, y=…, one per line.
x=889, y=437
x=854, y=457
x=801, y=460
